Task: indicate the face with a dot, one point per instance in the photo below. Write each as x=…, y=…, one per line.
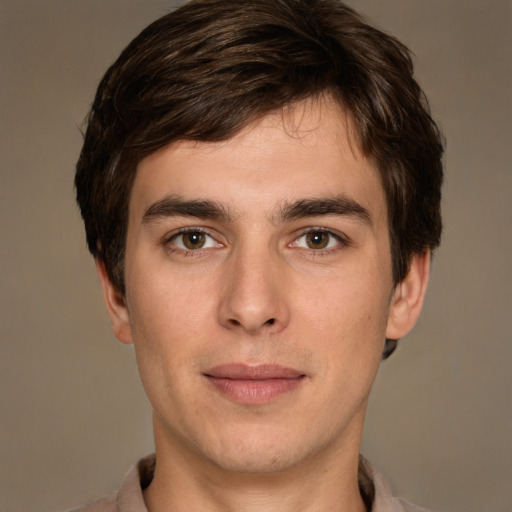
x=259, y=291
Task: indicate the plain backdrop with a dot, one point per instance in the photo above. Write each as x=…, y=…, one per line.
x=73, y=415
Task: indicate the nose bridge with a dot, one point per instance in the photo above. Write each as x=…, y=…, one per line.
x=253, y=298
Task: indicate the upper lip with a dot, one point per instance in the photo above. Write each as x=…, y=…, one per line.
x=249, y=372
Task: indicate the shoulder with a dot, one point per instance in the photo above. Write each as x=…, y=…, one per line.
x=130, y=497
x=107, y=504
x=409, y=507
x=383, y=500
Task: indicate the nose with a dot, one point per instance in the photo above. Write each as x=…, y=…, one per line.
x=254, y=293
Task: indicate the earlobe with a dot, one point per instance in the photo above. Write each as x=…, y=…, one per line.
x=408, y=297
x=115, y=303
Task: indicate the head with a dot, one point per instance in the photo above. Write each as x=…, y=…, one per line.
x=211, y=68
x=288, y=142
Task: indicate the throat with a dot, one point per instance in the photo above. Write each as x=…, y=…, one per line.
x=253, y=493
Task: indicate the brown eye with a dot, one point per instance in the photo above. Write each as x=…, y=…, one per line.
x=317, y=239
x=193, y=240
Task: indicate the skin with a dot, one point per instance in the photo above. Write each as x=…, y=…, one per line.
x=305, y=289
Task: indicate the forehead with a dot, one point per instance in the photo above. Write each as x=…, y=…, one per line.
x=308, y=149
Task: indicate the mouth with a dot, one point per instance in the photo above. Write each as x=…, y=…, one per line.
x=253, y=385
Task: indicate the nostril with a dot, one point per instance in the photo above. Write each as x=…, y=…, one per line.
x=248, y=325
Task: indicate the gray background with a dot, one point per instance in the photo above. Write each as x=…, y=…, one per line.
x=74, y=416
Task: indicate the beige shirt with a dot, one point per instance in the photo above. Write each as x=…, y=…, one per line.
x=129, y=498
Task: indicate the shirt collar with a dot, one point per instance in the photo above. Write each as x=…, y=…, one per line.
x=374, y=488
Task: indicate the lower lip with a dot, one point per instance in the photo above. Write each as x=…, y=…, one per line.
x=254, y=392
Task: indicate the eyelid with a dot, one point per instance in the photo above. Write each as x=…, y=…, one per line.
x=168, y=239
x=341, y=238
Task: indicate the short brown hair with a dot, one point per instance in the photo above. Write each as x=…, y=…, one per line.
x=211, y=67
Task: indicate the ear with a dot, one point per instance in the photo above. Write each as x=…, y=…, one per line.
x=408, y=297
x=116, y=305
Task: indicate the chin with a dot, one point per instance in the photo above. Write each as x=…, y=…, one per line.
x=261, y=452
x=258, y=461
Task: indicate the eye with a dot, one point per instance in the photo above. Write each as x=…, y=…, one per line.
x=317, y=240
x=193, y=240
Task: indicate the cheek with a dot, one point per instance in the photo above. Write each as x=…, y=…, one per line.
x=349, y=320
x=168, y=320
x=348, y=303
x=164, y=303
x=166, y=336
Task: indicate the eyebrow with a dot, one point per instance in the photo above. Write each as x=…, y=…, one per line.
x=174, y=206
x=337, y=205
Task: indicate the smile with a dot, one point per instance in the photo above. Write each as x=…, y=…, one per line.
x=253, y=385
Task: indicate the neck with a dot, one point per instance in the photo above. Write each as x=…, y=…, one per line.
x=327, y=481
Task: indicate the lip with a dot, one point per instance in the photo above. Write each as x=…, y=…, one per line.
x=254, y=385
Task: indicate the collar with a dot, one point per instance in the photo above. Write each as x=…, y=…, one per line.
x=373, y=486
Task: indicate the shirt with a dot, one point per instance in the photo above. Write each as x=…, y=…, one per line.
x=129, y=498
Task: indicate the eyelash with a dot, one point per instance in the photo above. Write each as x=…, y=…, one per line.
x=341, y=241
x=172, y=247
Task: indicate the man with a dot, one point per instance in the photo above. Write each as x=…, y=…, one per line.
x=260, y=185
